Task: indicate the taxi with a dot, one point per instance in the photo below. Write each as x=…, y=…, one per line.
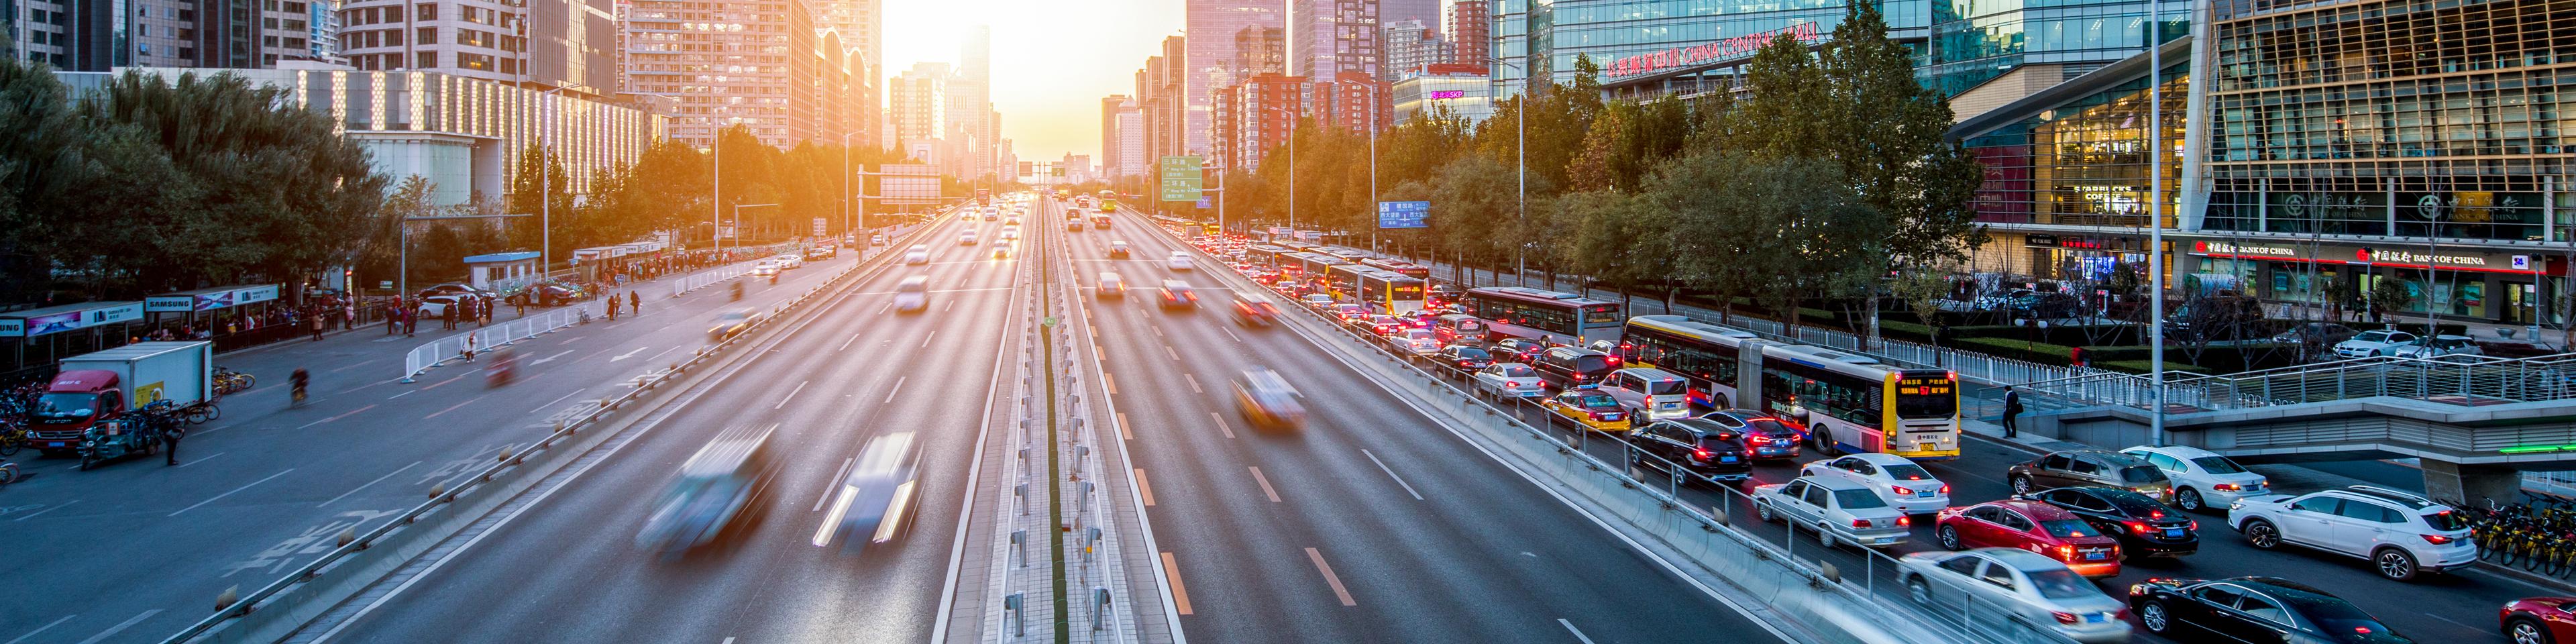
x=1590, y=408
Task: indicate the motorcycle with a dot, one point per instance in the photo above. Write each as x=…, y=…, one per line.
x=504, y=369
x=737, y=291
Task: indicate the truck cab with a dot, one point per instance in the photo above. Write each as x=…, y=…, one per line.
x=73, y=402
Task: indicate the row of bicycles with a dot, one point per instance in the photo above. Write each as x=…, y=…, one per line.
x=2538, y=534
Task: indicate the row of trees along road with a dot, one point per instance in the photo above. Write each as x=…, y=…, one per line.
x=1828, y=172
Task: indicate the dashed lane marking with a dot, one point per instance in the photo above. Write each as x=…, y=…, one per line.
x=1330, y=578
x=1145, y=488
x=41, y=629
x=1180, y=592
x=1221, y=424
x=1265, y=484
x=1381, y=466
x=1194, y=383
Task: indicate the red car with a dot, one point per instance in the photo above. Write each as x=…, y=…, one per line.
x=2539, y=620
x=2034, y=526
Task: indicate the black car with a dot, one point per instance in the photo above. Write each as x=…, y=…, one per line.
x=1769, y=437
x=1518, y=350
x=2253, y=609
x=1704, y=449
x=2144, y=526
x=1463, y=358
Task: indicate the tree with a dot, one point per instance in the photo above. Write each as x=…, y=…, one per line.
x=1889, y=134
x=1922, y=292
x=549, y=217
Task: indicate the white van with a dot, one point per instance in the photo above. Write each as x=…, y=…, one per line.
x=1646, y=391
x=912, y=294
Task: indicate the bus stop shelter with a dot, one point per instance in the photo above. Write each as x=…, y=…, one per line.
x=207, y=308
x=501, y=271
x=39, y=337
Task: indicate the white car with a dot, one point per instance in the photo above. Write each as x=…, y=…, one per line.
x=1180, y=261
x=2438, y=346
x=912, y=294
x=1839, y=511
x=2372, y=344
x=1510, y=380
x=2401, y=534
x=1900, y=482
x=2202, y=478
x=918, y=254
x=966, y=238
x=764, y=268
x=2034, y=588
x=1421, y=342
x=789, y=261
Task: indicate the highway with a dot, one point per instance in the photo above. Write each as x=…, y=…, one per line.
x=567, y=569
x=1371, y=524
x=135, y=550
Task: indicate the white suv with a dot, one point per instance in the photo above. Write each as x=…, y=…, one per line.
x=2438, y=346
x=2402, y=534
x=2202, y=478
x=2372, y=344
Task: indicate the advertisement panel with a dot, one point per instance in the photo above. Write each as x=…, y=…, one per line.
x=908, y=183
x=255, y=294
x=12, y=327
x=169, y=303
x=1404, y=214
x=55, y=323
x=112, y=315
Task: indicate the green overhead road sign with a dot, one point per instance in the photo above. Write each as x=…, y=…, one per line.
x=1181, y=178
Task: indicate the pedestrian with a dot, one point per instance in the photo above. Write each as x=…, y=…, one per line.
x=393, y=317
x=469, y=346
x=612, y=308
x=170, y=435
x=411, y=320
x=519, y=304
x=2012, y=408
x=634, y=303
x=320, y=324
x=447, y=316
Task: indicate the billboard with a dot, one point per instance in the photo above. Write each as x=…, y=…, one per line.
x=1181, y=178
x=1404, y=214
x=908, y=183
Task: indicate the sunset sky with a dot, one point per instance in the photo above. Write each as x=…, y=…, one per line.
x=1052, y=60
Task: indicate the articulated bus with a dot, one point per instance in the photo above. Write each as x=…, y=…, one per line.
x=1851, y=403
x=1263, y=255
x=1394, y=266
x=1706, y=356
x=1298, y=246
x=1547, y=316
x=1314, y=265
x=1343, y=281
x=1390, y=292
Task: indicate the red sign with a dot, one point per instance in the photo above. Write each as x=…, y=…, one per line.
x=1721, y=50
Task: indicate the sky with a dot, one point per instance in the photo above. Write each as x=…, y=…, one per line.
x=1052, y=60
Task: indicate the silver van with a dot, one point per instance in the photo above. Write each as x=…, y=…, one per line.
x=1646, y=391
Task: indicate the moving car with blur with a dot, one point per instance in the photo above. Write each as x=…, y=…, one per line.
x=711, y=492
x=1267, y=401
x=1178, y=295
x=2033, y=589
x=2252, y=609
x=1699, y=449
x=2402, y=534
x=917, y=254
x=912, y=294
x=1179, y=261
x=1253, y=309
x=2087, y=467
x=880, y=499
x=2034, y=526
x=2145, y=527
x=732, y=322
x=1590, y=409
x=2438, y=346
x=1510, y=380
x=2202, y=479
x=1901, y=482
x=1839, y=511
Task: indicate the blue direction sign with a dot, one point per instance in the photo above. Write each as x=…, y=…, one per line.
x=1206, y=203
x=1404, y=214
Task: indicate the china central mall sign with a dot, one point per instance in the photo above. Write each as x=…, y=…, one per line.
x=1731, y=48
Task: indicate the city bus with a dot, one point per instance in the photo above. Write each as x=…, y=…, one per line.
x=1352, y=254
x=1851, y=403
x=1399, y=267
x=1390, y=292
x=1547, y=316
x=1263, y=255
x=1343, y=281
x=1707, y=356
x=1313, y=265
x=1302, y=247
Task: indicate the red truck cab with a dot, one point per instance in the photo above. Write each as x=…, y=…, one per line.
x=73, y=402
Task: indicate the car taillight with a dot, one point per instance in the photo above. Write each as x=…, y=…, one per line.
x=2140, y=527
x=2436, y=539
x=2225, y=487
x=1860, y=523
x=2195, y=525
x=1904, y=521
x=2063, y=617
x=1945, y=489
x=1902, y=490
x=1759, y=440
x=1700, y=454
x=2066, y=553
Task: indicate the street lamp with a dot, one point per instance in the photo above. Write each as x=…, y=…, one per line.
x=545, y=190
x=849, y=221
x=1293, y=121
x=1520, y=151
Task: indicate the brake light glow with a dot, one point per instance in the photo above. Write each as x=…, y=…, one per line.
x=2226, y=487
x=1902, y=490
x=2063, y=617
x=1945, y=489
x=1904, y=521
x=2140, y=527
x=2066, y=553
x=1860, y=523
x=2195, y=525
x=1700, y=454
x=2438, y=540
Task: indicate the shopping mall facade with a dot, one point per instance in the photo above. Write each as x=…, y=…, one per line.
x=2309, y=149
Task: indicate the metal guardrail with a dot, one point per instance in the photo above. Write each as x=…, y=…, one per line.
x=442, y=350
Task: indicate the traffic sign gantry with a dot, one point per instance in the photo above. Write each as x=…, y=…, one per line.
x=1182, y=178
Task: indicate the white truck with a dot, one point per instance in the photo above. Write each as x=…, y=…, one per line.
x=92, y=387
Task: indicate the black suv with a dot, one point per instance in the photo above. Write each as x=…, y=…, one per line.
x=1465, y=359
x=2144, y=526
x=1704, y=449
x=1565, y=367
x=1769, y=437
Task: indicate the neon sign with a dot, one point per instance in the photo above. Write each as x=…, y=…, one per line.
x=1719, y=50
x=1448, y=93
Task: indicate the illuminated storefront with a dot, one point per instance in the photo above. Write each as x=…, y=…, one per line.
x=2068, y=174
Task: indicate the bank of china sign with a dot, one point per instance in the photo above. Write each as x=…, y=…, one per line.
x=1731, y=48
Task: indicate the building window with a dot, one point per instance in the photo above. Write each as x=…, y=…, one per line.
x=426, y=60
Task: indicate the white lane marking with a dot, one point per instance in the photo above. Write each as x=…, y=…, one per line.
x=379, y=479
x=1176, y=355
x=952, y=306
x=550, y=358
x=1230, y=333
x=1157, y=328
x=202, y=459
x=882, y=309
x=551, y=403
x=399, y=395
x=1266, y=490
x=1220, y=424
x=658, y=354
x=113, y=630
x=925, y=340
x=791, y=394
x=628, y=354
x=1390, y=473
x=730, y=640
x=835, y=483
x=1194, y=383
x=41, y=629
x=238, y=489
x=1330, y=578
x=1569, y=627
x=845, y=344
x=32, y=515
x=898, y=386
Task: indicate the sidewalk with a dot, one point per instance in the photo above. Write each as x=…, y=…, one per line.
x=2480, y=330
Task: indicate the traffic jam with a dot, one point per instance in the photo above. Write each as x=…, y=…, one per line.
x=1862, y=457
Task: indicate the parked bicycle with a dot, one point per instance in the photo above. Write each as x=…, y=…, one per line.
x=229, y=381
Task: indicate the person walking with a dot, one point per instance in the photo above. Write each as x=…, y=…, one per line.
x=447, y=316
x=393, y=318
x=634, y=303
x=612, y=308
x=411, y=320
x=320, y=323
x=2012, y=408
x=170, y=435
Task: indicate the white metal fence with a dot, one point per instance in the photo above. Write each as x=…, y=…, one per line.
x=441, y=350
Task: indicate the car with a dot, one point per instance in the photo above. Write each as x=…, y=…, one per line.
x=912, y=294
x=2252, y=609
x=823, y=253
x=1318, y=302
x=878, y=239
x=2320, y=333
x=437, y=305
x=2084, y=467
x=1518, y=349
x=1255, y=310
x=1345, y=313
x=2373, y=344
x=1770, y=437
x=1267, y=400
x=2038, y=591
x=1117, y=250
x=766, y=267
x=2026, y=524
x=456, y=288
x=917, y=254
x=1465, y=359
x=1590, y=409
x=1112, y=285
x=1381, y=325
x=2438, y=346
x=1179, y=261
x=2202, y=479
x=1421, y=342
x=2145, y=527
x=1904, y=484
x=711, y=492
x=1569, y=367
x=1013, y=220
x=880, y=499
x=790, y=261
x=1177, y=294
x=1653, y=393
x=1009, y=233
x=1700, y=449
x=2538, y=620
x=1510, y=380
x=731, y=323
x=1839, y=511
x=966, y=238
x=2402, y=534
x=1001, y=251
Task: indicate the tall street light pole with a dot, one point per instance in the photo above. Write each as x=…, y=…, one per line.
x=2156, y=219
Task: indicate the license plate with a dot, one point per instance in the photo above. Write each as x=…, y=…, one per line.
x=2095, y=556
x=2095, y=618
x=1609, y=416
x=2173, y=533
x=1926, y=494
x=1726, y=459
x=58, y=444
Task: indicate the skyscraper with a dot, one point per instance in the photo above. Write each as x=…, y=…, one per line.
x=861, y=24
x=1394, y=11
x=727, y=62
x=1329, y=37
x=1212, y=29
x=1260, y=50
x=1110, y=107
x=917, y=104
x=1412, y=46
x=1470, y=29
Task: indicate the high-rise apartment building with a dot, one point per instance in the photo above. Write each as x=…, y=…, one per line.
x=1111, y=107
x=1470, y=29
x=1425, y=11
x=1352, y=101
x=1412, y=46
x=1160, y=88
x=917, y=104
x=1260, y=50
x=1212, y=30
x=558, y=43
x=861, y=24
x=1256, y=116
x=727, y=62
x=1131, y=141
x=1329, y=37
x=84, y=35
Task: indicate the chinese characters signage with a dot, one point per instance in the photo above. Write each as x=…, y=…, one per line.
x=1731, y=48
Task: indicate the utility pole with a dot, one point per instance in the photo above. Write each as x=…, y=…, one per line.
x=2156, y=222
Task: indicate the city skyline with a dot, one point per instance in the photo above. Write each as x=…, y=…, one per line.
x=1050, y=66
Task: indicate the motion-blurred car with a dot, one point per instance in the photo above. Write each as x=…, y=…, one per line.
x=731, y=323
x=1178, y=295
x=1590, y=409
x=1904, y=484
x=917, y=254
x=768, y=267
x=912, y=294
x=2202, y=479
x=711, y=491
x=2320, y=333
x=880, y=499
x=2082, y=467
x=2252, y=609
x=2438, y=346
x=2034, y=526
x=2036, y=589
x=1251, y=309
x=2145, y=527
x=1179, y=261
x=1510, y=380
x=1267, y=401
